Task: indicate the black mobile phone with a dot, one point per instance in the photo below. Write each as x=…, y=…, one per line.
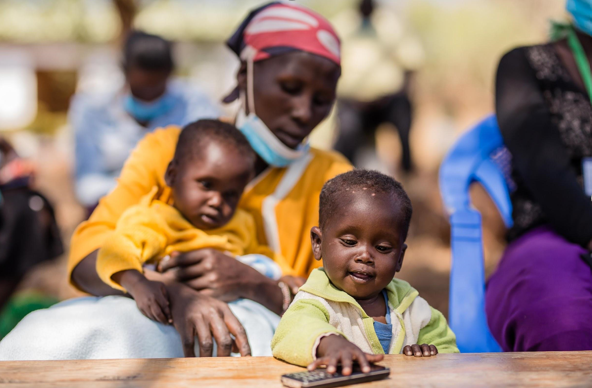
x=321, y=379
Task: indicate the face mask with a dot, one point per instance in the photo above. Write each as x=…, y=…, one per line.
x=262, y=140
x=147, y=111
x=581, y=11
x=265, y=143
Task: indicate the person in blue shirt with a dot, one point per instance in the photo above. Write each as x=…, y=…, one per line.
x=107, y=125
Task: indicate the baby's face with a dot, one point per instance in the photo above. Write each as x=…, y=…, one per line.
x=361, y=243
x=208, y=187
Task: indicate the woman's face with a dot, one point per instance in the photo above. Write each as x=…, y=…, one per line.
x=294, y=92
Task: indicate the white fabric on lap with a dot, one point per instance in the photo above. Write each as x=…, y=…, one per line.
x=113, y=327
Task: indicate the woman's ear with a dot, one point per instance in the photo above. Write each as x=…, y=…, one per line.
x=241, y=76
x=316, y=239
x=171, y=173
x=401, y=256
x=241, y=85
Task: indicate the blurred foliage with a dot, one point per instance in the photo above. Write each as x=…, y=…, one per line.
x=210, y=20
x=465, y=41
x=41, y=21
x=98, y=21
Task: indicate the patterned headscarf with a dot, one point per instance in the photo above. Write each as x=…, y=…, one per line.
x=277, y=28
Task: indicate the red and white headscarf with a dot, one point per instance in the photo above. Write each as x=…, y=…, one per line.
x=277, y=28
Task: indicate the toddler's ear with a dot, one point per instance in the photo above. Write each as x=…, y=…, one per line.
x=316, y=239
x=401, y=257
x=171, y=173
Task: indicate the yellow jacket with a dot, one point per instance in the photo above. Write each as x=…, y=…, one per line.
x=284, y=202
x=153, y=229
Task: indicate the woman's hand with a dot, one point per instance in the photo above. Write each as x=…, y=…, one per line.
x=209, y=319
x=213, y=273
x=424, y=350
x=293, y=282
x=334, y=350
x=218, y=275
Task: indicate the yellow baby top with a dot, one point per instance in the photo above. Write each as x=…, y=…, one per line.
x=147, y=232
x=284, y=202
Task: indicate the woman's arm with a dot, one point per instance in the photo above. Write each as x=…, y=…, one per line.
x=537, y=151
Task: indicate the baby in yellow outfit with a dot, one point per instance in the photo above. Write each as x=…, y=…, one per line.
x=212, y=165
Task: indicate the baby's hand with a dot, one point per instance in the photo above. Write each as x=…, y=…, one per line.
x=420, y=350
x=334, y=350
x=152, y=300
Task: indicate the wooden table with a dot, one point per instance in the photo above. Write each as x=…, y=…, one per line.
x=445, y=370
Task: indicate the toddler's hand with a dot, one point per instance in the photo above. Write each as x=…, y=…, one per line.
x=424, y=350
x=334, y=350
x=152, y=300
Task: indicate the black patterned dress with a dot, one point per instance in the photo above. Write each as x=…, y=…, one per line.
x=546, y=123
x=540, y=297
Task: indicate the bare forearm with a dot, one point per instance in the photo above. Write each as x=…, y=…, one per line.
x=86, y=277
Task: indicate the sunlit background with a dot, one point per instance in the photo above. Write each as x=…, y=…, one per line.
x=49, y=49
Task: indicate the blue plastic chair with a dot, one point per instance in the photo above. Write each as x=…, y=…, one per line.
x=471, y=160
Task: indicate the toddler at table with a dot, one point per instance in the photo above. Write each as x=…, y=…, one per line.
x=353, y=309
x=212, y=165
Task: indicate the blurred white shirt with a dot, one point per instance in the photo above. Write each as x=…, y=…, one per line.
x=376, y=56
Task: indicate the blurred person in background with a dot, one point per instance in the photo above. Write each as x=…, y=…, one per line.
x=108, y=124
x=539, y=298
x=290, y=65
x=378, y=60
x=29, y=235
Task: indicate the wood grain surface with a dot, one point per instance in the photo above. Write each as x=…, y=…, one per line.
x=556, y=369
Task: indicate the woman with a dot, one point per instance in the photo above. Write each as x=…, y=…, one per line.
x=287, y=82
x=108, y=125
x=539, y=297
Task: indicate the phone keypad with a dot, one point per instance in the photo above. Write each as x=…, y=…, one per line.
x=309, y=377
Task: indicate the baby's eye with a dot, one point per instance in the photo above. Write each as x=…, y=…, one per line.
x=349, y=242
x=205, y=184
x=383, y=248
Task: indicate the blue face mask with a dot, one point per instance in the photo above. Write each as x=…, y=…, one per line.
x=581, y=11
x=148, y=111
x=266, y=144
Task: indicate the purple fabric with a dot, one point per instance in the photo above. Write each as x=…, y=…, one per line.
x=540, y=297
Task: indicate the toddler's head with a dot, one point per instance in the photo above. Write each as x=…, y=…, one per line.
x=213, y=164
x=364, y=217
